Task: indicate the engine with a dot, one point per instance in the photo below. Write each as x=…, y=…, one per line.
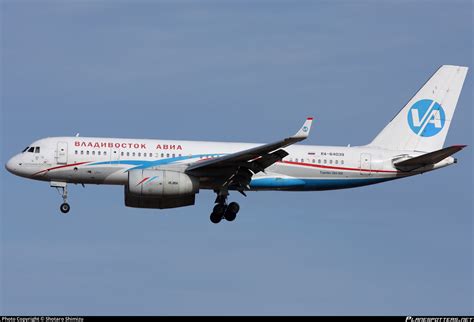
x=160, y=189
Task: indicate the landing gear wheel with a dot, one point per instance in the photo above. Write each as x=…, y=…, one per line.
x=233, y=207
x=230, y=216
x=219, y=209
x=218, y=213
x=216, y=218
x=65, y=208
x=231, y=211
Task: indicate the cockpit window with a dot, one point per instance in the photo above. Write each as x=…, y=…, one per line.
x=37, y=149
x=25, y=149
x=32, y=149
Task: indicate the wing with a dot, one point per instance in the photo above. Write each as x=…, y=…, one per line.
x=236, y=169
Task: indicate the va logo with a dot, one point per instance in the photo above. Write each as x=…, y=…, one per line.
x=305, y=129
x=426, y=118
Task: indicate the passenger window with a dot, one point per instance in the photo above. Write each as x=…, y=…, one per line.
x=302, y=160
x=75, y=152
x=98, y=152
x=319, y=161
x=330, y=161
x=325, y=161
x=336, y=162
x=342, y=161
x=105, y=152
x=179, y=154
x=87, y=152
x=32, y=149
x=93, y=152
x=314, y=161
x=139, y=154
x=128, y=154
x=162, y=155
x=121, y=153
x=167, y=155
x=82, y=152
x=150, y=155
x=133, y=154
x=173, y=155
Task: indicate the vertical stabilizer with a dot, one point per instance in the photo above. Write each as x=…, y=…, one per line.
x=424, y=122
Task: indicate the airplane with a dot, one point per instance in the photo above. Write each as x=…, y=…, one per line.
x=162, y=174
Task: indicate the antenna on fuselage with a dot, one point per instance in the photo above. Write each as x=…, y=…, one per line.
x=77, y=135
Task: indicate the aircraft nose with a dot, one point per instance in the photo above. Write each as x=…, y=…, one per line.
x=10, y=166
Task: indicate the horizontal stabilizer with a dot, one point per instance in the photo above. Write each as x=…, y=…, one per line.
x=428, y=158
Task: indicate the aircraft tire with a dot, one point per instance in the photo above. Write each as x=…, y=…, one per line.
x=219, y=209
x=65, y=208
x=216, y=218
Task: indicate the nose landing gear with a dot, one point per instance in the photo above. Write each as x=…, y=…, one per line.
x=62, y=189
x=65, y=208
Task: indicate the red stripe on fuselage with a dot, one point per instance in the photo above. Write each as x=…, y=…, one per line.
x=336, y=168
x=60, y=167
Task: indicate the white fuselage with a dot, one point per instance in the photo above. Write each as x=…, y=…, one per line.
x=108, y=160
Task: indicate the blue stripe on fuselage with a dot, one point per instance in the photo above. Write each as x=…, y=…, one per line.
x=311, y=184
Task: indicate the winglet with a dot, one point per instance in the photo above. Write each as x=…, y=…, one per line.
x=304, y=131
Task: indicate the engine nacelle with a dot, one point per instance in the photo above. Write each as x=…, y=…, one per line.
x=161, y=183
x=160, y=189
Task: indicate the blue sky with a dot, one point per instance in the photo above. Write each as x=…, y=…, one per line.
x=233, y=71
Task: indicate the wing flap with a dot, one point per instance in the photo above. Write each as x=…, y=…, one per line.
x=267, y=160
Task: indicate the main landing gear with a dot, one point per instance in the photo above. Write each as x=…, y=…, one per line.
x=62, y=189
x=224, y=210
